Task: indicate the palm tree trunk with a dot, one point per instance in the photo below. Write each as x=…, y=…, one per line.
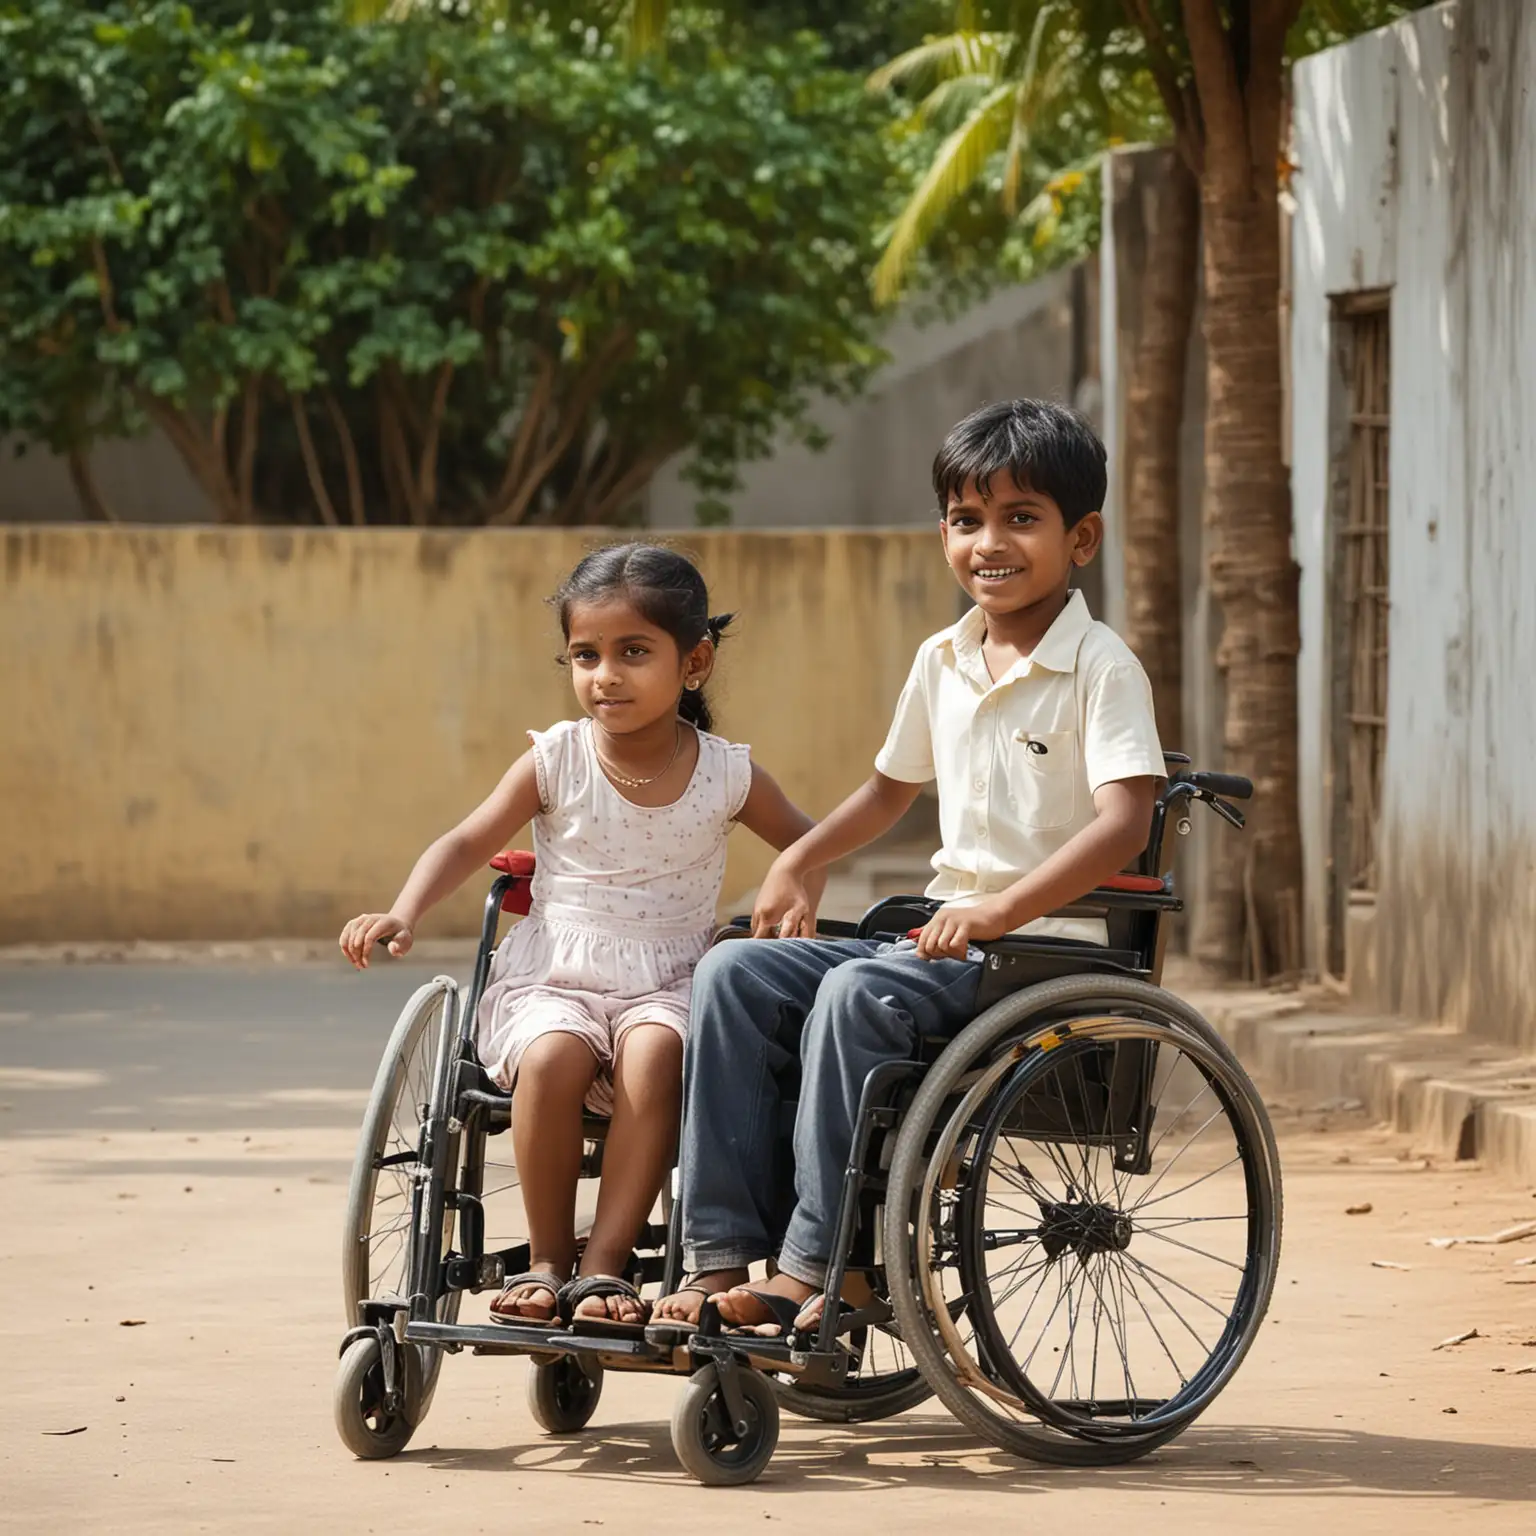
x=1250, y=920
x=1154, y=421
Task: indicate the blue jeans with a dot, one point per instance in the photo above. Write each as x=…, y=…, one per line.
x=841, y=1007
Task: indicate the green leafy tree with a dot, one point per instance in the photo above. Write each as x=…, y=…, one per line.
x=425, y=269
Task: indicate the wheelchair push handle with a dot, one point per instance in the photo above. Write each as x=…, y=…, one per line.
x=1232, y=785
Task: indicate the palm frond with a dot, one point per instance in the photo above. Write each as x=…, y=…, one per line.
x=941, y=58
x=956, y=166
x=949, y=102
x=1039, y=82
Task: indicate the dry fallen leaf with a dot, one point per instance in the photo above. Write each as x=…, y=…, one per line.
x=1386, y=1264
x=131, y=1322
x=1458, y=1338
x=1364, y=1209
x=1509, y=1235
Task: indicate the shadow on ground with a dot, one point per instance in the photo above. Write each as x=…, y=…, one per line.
x=935, y=1453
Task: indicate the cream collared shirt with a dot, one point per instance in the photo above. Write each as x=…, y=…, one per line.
x=1018, y=760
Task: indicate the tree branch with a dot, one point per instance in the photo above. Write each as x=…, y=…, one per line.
x=348, y=459
x=1224, y=120
x=397, y=457
x=205, y=459
x=311, y=459
x=527, y=429
x=250, y=430
x=86, y=487
x=426, y=480
x=1181, y=107
x=104, y=288
x=588, y=387
x=630, y=483
x=1270, y=22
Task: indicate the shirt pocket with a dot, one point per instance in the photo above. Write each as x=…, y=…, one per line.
x=1044, y=775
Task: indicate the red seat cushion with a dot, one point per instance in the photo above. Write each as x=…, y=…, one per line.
x=1142, y=885
x=518, y=863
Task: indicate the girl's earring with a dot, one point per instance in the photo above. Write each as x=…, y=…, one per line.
x=693, y=685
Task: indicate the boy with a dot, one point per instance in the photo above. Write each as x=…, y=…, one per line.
x=1037, y=723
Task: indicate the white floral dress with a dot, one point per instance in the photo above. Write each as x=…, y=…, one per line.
x=624, y=901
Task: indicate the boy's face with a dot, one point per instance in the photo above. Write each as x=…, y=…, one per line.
x=1011, y=548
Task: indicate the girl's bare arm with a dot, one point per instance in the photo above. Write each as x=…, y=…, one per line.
x=775, y=818
x=771, y=814
x=787, y=902
x=448, y=863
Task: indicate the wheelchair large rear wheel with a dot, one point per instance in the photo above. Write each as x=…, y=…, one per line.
x=1096, y=1211
x=380, y=1236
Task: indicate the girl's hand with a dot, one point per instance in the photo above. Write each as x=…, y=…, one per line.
x=953, y=929
x=786, y=904
x=362, y=933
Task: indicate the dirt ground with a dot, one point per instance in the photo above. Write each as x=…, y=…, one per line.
x=176, y=1144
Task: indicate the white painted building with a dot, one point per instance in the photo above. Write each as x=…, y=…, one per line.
x=1413, y=436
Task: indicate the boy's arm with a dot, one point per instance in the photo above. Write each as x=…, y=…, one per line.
x=786, y=904
x=1117, y=834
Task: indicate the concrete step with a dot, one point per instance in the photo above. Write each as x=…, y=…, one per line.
x=1458, y=1097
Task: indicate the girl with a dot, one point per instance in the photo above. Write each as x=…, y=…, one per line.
x=588, y=997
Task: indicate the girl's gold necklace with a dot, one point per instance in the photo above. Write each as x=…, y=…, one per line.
x=631, y=783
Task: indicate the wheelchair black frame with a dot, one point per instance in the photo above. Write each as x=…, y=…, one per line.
x=462, y=1095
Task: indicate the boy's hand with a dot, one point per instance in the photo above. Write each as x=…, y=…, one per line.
x=953, y=929
x=362, y=933
x=786, y=904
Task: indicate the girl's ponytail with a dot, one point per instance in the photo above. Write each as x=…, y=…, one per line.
x=692, y=707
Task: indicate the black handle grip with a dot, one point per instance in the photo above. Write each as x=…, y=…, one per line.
x=1233, y=785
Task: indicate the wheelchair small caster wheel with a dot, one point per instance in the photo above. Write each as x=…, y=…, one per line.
x=563, y=1394
x=368, y=1426
x=705, y=1439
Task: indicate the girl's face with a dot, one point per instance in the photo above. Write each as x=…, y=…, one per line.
x=628, y=674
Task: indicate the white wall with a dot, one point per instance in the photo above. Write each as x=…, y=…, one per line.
x=1416, y=148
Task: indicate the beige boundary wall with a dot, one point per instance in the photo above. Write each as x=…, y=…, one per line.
x=210, y=733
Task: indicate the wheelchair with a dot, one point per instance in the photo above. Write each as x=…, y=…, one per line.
x=1064, y=1221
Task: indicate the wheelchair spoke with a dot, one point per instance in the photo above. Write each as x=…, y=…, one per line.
x=1122, y=1340
x=1061, y=1293
x=1173, y=1161
x=1189, y=1248
x=1174, y=1193
x=1148, y=1271
x=1136, y=1297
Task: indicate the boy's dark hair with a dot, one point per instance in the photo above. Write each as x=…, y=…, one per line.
x=665, y=587
x=1047, y=448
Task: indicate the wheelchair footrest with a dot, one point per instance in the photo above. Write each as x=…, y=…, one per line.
x=505, y=1339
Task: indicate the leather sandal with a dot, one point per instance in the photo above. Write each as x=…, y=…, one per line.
x=783, y=1312
x=584, y=1287
x=533, y=1277
x=672, y=1331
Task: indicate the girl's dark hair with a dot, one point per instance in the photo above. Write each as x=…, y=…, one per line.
x=1045, y=447
x=664, y=586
